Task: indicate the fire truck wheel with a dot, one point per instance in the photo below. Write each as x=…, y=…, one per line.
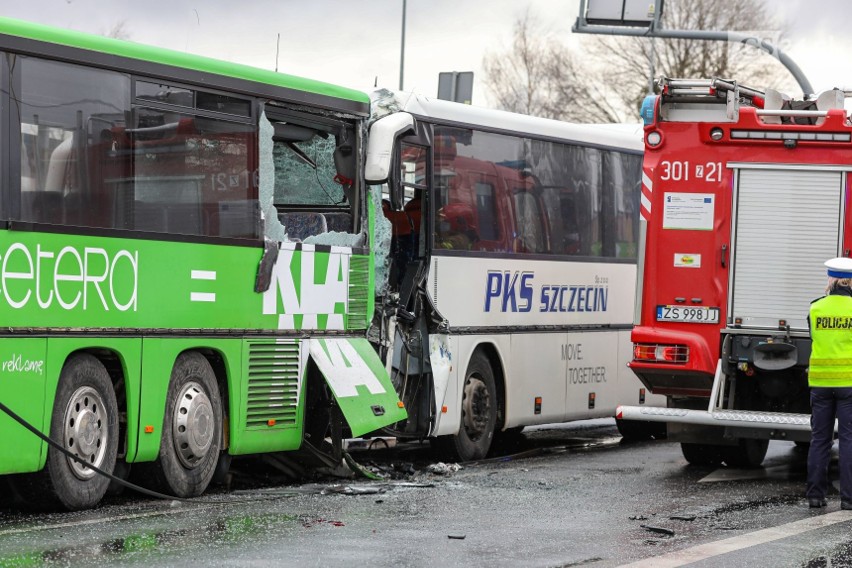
x=632, y=430
x=192, y=429
x=702, y=454
x=478, y=414
x=748, y=453
x=85, y=422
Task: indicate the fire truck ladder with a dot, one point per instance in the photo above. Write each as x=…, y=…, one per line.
x=693, y=99
x=707, y=87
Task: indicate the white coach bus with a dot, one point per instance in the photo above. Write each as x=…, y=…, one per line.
x=508, y=295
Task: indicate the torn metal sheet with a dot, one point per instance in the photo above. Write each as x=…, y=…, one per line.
x=441, y=361
x=359, y=383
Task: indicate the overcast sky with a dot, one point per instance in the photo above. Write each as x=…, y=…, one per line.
x=357, y=42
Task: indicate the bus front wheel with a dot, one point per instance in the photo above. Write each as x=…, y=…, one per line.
x=85, y=422
x=478, y=414
x=192, y=429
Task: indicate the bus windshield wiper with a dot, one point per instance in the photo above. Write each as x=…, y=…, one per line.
x=301, y=154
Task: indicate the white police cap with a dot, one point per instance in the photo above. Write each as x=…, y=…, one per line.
x=840, y=267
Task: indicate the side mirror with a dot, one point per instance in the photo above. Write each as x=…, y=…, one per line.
x=380, y=145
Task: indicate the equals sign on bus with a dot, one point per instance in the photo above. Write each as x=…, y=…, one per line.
x=202, y=296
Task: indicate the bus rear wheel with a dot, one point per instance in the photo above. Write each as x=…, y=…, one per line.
x=478, y=414
x=85, y=423
x=192, y=429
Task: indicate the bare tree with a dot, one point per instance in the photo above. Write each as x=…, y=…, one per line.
x=519, y=79
x=607, y=80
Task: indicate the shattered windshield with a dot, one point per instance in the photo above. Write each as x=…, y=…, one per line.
x=307, y=173
x=304, y=168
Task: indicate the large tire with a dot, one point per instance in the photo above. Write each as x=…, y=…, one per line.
x=192, y=429
x=508, y=441
x=85, y=422
x=702, y=454
x=748, y=453
x=478, y=415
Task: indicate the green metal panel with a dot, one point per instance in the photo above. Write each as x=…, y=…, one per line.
x=360, y=294
x=23, y=372
x=29, y=374
x=359, y=382
x=270, y=418
x=75, y=281
x=158, y=358
x=106, y=285
x=129, y=353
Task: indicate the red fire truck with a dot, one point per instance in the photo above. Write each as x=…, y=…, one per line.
x=745, y=194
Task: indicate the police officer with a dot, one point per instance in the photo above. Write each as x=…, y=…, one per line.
x=830, y=379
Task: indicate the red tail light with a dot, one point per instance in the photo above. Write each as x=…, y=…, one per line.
x=652, y=352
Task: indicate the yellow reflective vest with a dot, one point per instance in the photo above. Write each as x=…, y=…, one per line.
x=831, y=333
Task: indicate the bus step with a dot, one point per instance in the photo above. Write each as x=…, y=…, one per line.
x=740, y=418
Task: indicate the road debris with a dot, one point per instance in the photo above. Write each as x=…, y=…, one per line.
x=310, y=521
x=355, y=489
x=661, y=530
x=442, y=468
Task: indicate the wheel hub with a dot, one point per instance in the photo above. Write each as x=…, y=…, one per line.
x=476, y=407
x=193, y=425
x=85, y=430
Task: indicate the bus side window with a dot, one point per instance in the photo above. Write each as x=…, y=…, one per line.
x=529, y=229
x=63, y=109
x=486, y=212
x=559, y=220
x=191, y=175
x=621, y=171
x=571, y=243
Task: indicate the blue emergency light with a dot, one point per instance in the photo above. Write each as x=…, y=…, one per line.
x=647, y=110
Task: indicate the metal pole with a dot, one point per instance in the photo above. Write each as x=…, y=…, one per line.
x=277, y=47
x=651, y=76
x=734, y=37
x=402, y=47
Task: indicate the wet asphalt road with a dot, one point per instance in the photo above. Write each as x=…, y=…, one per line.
x=575, y=496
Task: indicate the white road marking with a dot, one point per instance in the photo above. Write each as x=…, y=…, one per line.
x=731, y=474
x=719, y=547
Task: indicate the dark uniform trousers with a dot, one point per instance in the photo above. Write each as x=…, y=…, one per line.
x=828, y=403
x=830, y=379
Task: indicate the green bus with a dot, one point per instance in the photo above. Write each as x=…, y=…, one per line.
x=186, y=269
